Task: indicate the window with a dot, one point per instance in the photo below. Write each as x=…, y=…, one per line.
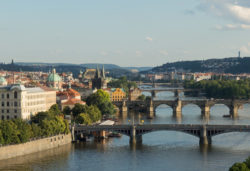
x=15, y=111
x=8, y=111
x=2, y=117
x=2, y=96
x=8, y=96
x=8, y=117
x=15, y=95
x=8, y=103
x=15, y=116
x=15, y=103
x=2, y=111
x=2, y=103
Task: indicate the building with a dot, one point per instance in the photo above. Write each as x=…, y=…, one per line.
x=54, y=80
x=134, y=94
x=117, y=94
x=20, y=102
x=69, y=98
x=99, y=82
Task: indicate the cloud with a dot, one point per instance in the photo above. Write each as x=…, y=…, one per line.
x=233, y=27
x=164, y=52
x=150, y=39
x=236, y=10
x=189, y=12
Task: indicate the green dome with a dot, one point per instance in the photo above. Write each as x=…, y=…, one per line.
x=54, y=77
x=2, y=80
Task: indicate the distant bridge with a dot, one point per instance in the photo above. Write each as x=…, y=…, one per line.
x=176, y=91
x=177, y=105
x=135, y=132
x=154, y=84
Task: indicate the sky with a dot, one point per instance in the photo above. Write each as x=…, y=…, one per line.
x=123, y=32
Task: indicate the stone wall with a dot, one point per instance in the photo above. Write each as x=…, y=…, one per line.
x=11, y=151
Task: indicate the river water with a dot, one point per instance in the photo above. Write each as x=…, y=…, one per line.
x=163, y=150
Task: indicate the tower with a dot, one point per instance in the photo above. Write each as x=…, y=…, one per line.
x=239, y=54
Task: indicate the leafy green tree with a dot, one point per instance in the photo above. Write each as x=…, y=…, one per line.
x=36, y=130
x=239, y=167
x=54, y=110
x=66, y=130
x=1, y=137
x=94, y=113
x=25, y=131
x=77, y=109
x=84, y=118
x=10, y=132
x=142, y=97
x=66, y=110
x=102, y=101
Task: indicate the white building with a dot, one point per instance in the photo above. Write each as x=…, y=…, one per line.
x=16, y=101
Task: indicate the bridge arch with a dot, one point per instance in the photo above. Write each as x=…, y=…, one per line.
x=195, y=133
x=191, y=108
x=219, y=109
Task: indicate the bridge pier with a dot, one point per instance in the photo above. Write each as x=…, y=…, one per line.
x=176, y=93
x=151, y=110
x=205, y=110
x=204, y=138
x=153, y=94
x=234, y=110
x=177, y=109
x=134, y=139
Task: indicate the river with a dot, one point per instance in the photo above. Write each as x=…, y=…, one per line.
x=163, y=150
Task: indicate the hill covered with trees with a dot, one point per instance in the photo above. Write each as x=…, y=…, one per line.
x=234, y=65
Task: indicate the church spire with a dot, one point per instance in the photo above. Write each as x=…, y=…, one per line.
x=97, y=74
x=103, y=72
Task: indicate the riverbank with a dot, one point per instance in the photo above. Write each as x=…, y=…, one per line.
x=11, y=151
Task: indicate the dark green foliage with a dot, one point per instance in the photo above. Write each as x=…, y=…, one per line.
x=43, y=124
x=102, y=101
x=54, y=110
x=142, y=97
x=25, y=131
x=244, y=166
x=10, y=132
x=84, y=118
x=66, y=110
x=227, y=89
x=239, y=167
x=77, y=109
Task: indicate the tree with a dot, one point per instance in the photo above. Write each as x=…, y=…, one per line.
x=54, y=110
x=41, y=116
x=142, y=97
x=77, y=109
x=24, y=129
x=94, y=113
x=102, y=101
x=84, y=118
x=10, y=132
x=36, y=130
x=1, y=137
x=66, y=110
x=239, y=167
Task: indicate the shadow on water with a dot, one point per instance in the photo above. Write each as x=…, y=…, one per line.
x=39, y=160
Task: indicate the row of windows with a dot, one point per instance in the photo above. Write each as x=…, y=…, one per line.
x=8, y=111
x=8, y=104
x=35, y=96
x=7, y=117
x=8, y=95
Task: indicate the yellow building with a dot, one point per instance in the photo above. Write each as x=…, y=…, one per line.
x=117, y=94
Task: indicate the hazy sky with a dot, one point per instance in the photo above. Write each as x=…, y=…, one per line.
x=123, y=32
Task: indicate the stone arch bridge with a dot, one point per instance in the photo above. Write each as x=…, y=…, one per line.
x=135, y=132
x=177, y=105
x=176, y=91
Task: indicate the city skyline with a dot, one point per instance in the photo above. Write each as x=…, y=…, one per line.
x=131, y=33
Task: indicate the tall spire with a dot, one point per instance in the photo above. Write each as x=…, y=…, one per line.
x=97, y=74
x=103, y=72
